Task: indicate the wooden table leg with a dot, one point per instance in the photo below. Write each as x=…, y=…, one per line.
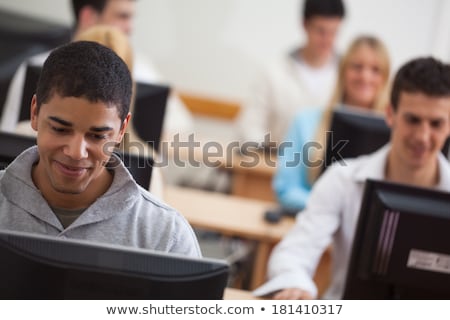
x=260, y=264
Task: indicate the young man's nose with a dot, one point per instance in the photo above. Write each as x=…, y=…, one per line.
x=423, y=132
x=76, y=148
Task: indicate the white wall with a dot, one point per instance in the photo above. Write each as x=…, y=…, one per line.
x=213, y=47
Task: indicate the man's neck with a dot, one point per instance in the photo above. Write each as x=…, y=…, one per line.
x=76, y=32
x=427, y=176
x=312, y=59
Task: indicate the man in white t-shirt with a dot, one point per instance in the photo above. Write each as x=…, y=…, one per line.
x=87, y=13
x=305, y=77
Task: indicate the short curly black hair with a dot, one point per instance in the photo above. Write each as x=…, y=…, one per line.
x=422, y=75
x=89, y=70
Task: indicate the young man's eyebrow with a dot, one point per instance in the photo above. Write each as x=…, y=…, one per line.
x=70, y=124
x=100, y=129
x=61, y=121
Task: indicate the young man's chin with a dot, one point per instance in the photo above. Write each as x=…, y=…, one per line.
x=68, y=189
x=419, y=162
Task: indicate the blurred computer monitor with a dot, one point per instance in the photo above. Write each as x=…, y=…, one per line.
x=29, y=89
x=401, y=248
x=149, y=112
x=139, y=166
x=12, y=145
x=353, y=133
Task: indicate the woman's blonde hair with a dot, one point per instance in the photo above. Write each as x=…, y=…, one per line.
x=111, y=37
x=338, y=97
x=115, y=39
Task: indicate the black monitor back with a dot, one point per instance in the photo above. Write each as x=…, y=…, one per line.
x=401, y=248
x=354, y=133
x=42, y=267
x=140, y=167
x=29, y=89
x=23, y=36
x=11, y=145
x=149, y=112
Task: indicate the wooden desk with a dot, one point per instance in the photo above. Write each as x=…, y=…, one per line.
x=251, y=176
x=231, y=216
x=250, y=179
x=236, y=294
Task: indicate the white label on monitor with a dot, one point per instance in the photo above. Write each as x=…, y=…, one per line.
x=431, y=261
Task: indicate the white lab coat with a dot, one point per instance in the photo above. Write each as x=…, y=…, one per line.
x=330, y=216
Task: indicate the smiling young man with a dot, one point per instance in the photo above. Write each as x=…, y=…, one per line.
x=419, y=117
x=70, y=185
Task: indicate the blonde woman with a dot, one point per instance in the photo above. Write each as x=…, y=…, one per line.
x=363, y=81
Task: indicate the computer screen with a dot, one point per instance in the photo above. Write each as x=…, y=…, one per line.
x=11, y=146
x=356, y=132
x=149, y=111
x=139, y=166
x=43, y=267
x=29, y=89
x=401, y=248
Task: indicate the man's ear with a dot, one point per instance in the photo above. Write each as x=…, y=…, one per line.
x=34, y=113
x=123, y=129
x=88, y=17
x=448, y=131
x=304, y=24
x=389, y=116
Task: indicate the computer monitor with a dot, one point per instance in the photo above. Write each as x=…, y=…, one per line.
x=149, y=111
x=139, y=166
x=355, y=132
x=11, y=146
x=43, y=267
x=401, y=248
x=29, y=89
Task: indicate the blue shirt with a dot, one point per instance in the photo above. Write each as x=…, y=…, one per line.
x=291, y=183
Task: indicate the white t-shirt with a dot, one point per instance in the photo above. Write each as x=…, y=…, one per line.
x=317, y=80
